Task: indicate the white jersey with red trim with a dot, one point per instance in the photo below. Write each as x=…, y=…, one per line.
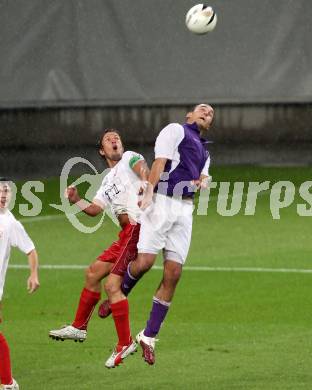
x=12, y=234
x=120, y=187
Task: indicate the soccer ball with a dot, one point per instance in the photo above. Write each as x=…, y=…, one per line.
x=200, y=19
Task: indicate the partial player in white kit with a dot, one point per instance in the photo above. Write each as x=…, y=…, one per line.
x=119, y=191
x=12, y=234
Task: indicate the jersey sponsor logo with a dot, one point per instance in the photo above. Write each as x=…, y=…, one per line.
x=112, y=190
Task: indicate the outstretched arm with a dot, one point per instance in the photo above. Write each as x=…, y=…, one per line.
x=141, y=169
x=153, y=179
x=166, y=145
x=156, y=170
x=33, y=280
x=91, y=209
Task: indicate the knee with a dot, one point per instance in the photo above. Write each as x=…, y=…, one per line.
x=144, y=267
x=111, y=287
x=142, y=264
x=173, y=274
x=90, y=275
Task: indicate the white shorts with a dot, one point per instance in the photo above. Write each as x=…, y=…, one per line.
x=167, y=225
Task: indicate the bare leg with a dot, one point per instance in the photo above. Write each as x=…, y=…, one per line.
x=112, y=288
x=163, y=297
x=95, y=273
x=142, y=264
x=171, y=276
x=161, y=303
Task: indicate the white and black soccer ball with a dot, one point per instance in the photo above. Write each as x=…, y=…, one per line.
x=200, y=19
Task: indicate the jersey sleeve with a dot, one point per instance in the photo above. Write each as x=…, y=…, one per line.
x=205, y=170
x=168, y=141
x=20, y=239
x=131, y=158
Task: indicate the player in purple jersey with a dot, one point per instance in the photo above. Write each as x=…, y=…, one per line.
x=180, y=167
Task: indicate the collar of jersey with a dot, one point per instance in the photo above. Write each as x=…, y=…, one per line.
x=193, y=126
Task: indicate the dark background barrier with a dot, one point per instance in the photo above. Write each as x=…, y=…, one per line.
x=38, y=142
x=78, y=127
x=69, y=69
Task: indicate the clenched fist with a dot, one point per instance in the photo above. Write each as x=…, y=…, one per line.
x=71, y=193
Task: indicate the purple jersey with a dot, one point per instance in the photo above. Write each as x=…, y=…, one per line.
x=187, y=158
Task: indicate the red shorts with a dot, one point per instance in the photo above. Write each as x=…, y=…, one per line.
x=124, y=250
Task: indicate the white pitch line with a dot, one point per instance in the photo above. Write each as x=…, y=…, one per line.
x=186, y=268
x=50, y=266
x=40, y=218
x=249, y=269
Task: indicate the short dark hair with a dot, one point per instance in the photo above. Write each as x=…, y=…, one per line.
x=4, y=179
x=108, y=130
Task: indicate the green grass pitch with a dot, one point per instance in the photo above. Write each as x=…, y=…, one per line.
x=224, y=330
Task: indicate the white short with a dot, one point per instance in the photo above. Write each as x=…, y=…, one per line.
x=167, y=225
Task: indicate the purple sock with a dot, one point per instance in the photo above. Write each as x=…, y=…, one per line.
x=128, y=282
x=157, y=316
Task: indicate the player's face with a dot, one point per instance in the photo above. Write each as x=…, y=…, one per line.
x=112, y=147
x=202, y=115
x=5, y=195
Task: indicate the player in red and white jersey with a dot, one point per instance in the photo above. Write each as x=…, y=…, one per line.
x=12, y=234
x=119, y=191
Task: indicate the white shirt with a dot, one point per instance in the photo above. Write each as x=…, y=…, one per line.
x=120, y=187
x=167, y=144
x=12, y=234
